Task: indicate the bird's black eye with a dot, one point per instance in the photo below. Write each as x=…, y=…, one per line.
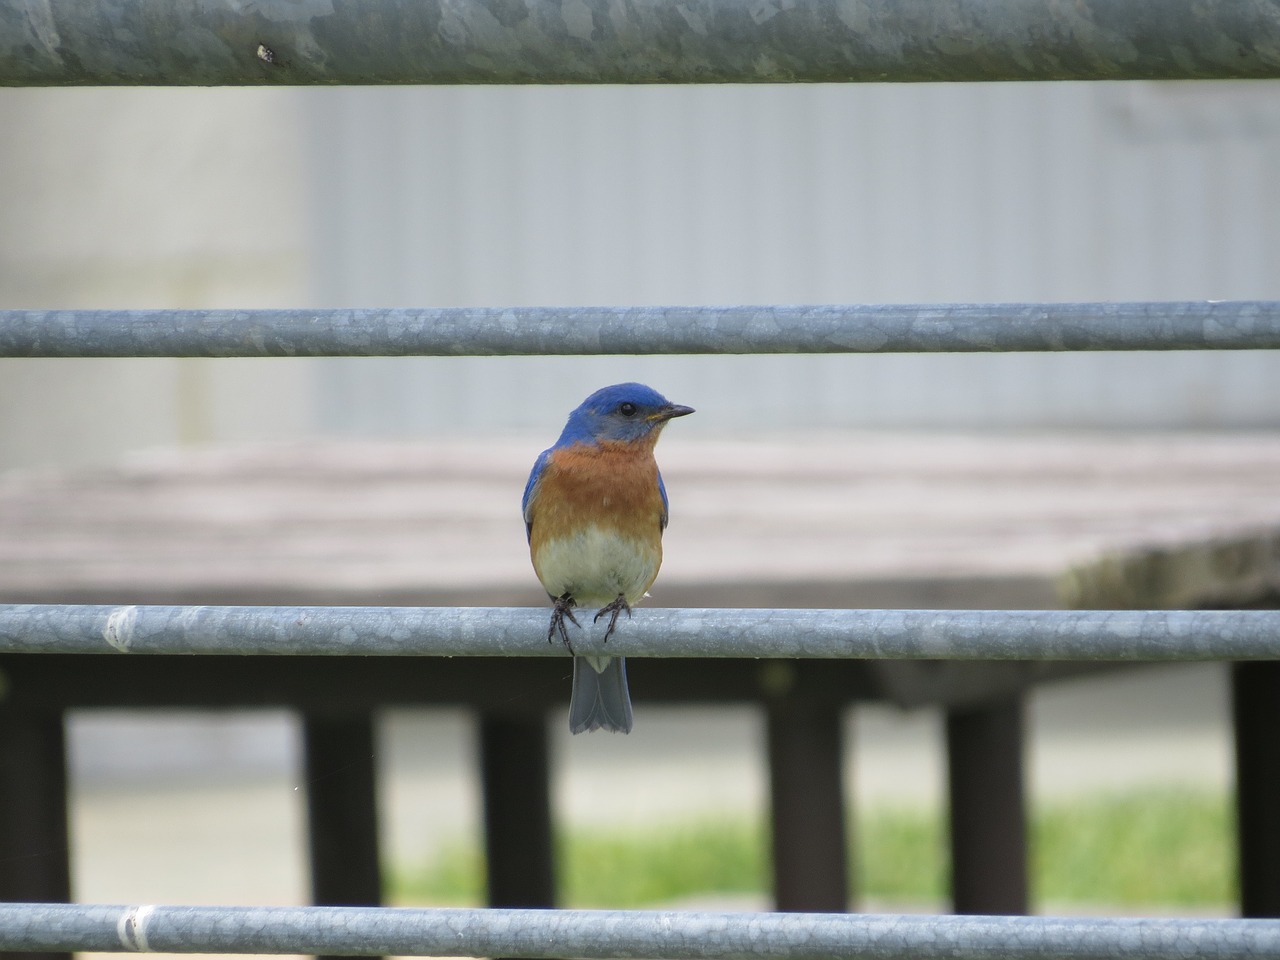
x=627, y=409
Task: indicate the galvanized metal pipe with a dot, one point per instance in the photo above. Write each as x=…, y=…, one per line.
x=522, y=631
x=620, y=934
x=216, y=42
x=466, y=331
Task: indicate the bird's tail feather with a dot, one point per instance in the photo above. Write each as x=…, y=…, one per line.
x=600, y=698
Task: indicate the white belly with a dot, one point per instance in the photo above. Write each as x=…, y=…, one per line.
x=594, y=566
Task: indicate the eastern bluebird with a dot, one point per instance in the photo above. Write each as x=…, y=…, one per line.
x=594, y=511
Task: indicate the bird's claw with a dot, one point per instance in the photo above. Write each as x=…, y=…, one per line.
x=613, y=610
x=563, y=608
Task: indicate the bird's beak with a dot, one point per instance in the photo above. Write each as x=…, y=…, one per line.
x=671, y=411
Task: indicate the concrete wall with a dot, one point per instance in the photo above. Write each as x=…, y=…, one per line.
x=149, y=198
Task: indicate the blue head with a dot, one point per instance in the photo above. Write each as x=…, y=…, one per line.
x=625, y=412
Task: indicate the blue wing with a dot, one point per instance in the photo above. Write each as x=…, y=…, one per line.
x=531, y=491
x=666, y=507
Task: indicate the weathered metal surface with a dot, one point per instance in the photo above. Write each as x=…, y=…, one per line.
x=491, y=331
x=1122, y=635
x=620, y=934
x=629, y=41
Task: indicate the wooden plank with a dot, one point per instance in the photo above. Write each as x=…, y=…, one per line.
x=365, y=519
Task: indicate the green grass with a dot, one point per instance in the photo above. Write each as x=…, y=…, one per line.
x=1173, y=847
x=1158, y=847
x=599, y=868
x=901, y=856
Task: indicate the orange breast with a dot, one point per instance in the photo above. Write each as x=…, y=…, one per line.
x=612, y=486
x=598, y=507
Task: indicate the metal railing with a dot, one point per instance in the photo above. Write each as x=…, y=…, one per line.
x=615, y=935
x=461, y=41
x=1117, y=635
x=1120, y=635
x=481, y=331
x=223, y=42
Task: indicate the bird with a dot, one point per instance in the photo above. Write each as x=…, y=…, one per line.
x=595, y=508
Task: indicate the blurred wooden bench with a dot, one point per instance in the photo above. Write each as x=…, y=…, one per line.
x=845, y=520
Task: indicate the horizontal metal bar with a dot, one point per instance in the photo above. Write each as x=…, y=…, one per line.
x=218, y=42
x=717, y=632
x=465, y=331
x=366, y=931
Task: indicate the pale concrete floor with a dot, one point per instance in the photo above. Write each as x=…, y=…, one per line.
x=209, y=808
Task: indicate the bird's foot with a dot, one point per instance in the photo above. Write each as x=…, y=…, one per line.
x=563, y=608
x=613, y=610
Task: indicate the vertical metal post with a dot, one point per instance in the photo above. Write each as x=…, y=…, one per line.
x=517, y=811
x=988, y=816
x=807, y=793
x=342, y=810
x=1255, y=689
x=34, y=853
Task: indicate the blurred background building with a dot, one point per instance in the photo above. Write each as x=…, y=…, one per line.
x=630, y=195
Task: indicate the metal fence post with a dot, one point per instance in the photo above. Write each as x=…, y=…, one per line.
x=34, y=850
x=806, y=790
x=515, y=775
x=342, y=810
x=1255, y=689
x=988, y=819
